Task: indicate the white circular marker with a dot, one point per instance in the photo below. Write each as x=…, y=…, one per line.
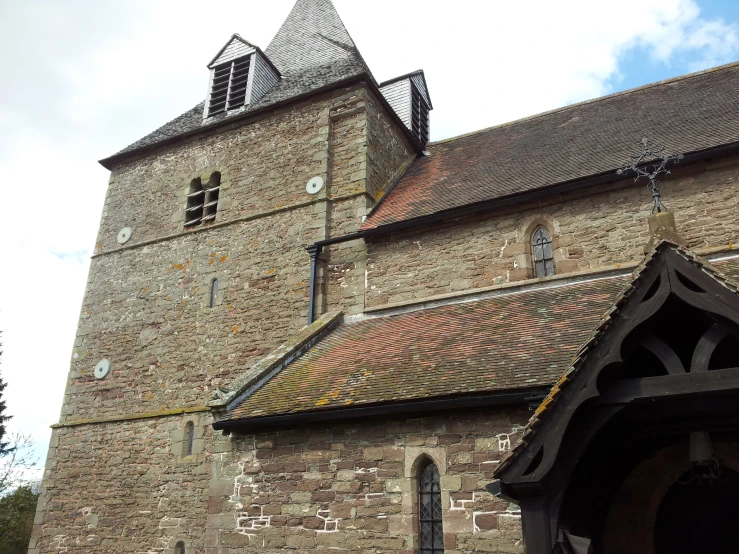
x=102, y=369
x=314, y=185
x=124, y=235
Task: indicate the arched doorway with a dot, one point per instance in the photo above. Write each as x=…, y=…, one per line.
x=698, y=516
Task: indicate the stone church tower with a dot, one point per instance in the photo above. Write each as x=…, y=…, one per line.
x=307, y=328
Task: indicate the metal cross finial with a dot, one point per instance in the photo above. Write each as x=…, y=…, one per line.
x=657, y=166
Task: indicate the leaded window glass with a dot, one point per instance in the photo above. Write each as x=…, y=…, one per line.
x=431, y=533
x=541, y=243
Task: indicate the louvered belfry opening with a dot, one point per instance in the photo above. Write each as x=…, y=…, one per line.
x=194, y=210
x=431, y=534
x=419, y=115
x=230, y=80
x=212, y=192
x=202, y=201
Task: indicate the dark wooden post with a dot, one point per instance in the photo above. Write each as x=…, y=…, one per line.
x=537, y=534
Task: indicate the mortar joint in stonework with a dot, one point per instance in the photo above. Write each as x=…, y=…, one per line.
x=330, y=524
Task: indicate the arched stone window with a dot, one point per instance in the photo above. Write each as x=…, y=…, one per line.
x=179, y=548
x=189, y=438
x=541, y=246
x=430, y=531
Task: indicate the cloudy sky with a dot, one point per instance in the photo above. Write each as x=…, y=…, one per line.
x=84, y=78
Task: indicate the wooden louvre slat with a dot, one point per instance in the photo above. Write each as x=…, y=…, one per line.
x=230, y=82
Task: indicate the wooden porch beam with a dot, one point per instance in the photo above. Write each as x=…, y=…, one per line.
x=666, y=386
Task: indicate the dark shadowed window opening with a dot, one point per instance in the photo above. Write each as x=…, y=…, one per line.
x=202, y=200
x=213, y=292
x=195, y=200
x=212, y=190
x=541, y=243
x=179, y=548
x=189, y=437
x=431, y=535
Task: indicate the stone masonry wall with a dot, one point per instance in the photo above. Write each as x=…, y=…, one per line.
x=603, y=229
x=119, y=486
x=385, y=151
x=147, y=311
x=146, y=308
x=124, y=488
x=264, y=167
x=352, y=487
x=388, y=149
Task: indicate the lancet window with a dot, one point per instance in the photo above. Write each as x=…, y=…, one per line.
x=431, y=534
x=541, y=245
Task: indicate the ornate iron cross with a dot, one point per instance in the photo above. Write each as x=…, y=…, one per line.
x=657, y=166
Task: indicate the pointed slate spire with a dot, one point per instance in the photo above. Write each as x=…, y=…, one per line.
x=313, y=35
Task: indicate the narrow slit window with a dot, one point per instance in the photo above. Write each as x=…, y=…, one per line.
x=213, y=292
x=431, y=533
x=228, y=88
x=189, y=437
x=179, y=548
x=541, y=243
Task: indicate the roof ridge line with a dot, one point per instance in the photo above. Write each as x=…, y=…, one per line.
x=640, y=88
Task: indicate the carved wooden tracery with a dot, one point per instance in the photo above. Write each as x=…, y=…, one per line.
x=661, y=342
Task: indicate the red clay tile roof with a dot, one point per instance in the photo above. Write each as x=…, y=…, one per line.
x=509, y=341
x=687, y=114
x=504, y=342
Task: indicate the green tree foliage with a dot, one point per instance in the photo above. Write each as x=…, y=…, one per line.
x=17, y=511
x=3, y=417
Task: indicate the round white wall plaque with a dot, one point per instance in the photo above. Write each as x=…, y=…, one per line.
x=124, y=235
x=314, y=186
x=102, y=368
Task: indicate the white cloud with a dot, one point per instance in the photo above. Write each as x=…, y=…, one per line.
x=84, y=80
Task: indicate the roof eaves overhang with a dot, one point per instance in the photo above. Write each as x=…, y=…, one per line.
x=531, y=396
x=408, y=76
x=243, y=118
x=229, y=41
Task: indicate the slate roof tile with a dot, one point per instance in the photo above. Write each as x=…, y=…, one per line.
x=686, y=114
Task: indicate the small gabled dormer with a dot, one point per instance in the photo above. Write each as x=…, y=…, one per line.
x=409, y=97
x=240, y=74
